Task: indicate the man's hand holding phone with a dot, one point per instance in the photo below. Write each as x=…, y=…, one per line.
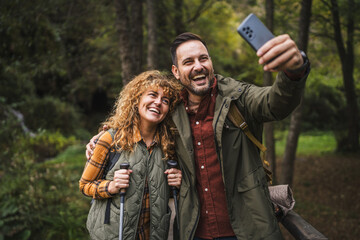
x=275, y=53
x=283, y=52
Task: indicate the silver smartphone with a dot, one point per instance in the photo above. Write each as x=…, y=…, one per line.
x=254, y=32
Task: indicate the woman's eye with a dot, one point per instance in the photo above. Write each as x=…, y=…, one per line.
x=166, y=101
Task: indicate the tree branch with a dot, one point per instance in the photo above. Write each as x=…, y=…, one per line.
x=201, y=8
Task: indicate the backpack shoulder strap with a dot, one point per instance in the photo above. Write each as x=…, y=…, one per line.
x=238, y=120
x=113, y=155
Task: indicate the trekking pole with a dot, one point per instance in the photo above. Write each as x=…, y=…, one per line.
x=174, y=164
x=122, y=200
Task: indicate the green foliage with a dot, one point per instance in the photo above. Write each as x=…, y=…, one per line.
x=42, y=201
x=230, y=54
x=14, y=85
x=285, y=23
x=67, y=50
x=31, y=192
x=51, y=113
x=46, y=144
x=10, y=134
x=324, y=104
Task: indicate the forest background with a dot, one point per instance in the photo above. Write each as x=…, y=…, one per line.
x=63, y=63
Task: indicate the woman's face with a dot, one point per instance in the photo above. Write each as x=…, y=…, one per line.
x=153, y=107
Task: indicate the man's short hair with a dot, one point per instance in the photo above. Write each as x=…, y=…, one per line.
x=184, y=37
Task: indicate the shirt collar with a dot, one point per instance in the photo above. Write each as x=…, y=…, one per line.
x=138, y=138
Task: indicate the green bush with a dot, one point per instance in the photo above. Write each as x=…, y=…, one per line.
x=41, y=200
x=324, y=107
x=37, y=199
x=46, y=144
x=10, y=135
x=50, y=113
x=15, y=186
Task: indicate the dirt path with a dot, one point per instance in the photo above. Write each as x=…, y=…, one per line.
x=326, y=190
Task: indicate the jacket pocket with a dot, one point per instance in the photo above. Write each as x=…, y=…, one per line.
x=249, y=182
x=256, y=205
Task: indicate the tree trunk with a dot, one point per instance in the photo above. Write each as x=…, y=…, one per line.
x=296, y=117
x=129, y=26
x=178, y=19
x=152, y=48
x=268, y=81
x=347, y=67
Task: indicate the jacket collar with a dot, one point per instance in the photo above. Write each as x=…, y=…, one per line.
x=227, y=87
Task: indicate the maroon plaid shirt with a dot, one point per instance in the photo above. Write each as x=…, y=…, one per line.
x=214, y=220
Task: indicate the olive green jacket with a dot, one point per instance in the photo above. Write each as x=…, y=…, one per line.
x=249, y=207
x=144, y=165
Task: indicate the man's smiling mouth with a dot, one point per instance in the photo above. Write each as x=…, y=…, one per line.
x=199, y=77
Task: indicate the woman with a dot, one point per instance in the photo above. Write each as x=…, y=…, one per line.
x=139, y=131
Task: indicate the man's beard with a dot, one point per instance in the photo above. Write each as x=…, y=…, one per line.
x=202, y=91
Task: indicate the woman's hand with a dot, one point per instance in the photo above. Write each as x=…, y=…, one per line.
x=121, y=180
x=174, y=177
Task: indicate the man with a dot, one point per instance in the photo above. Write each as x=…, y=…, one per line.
x=224, y=192
x=227, y=194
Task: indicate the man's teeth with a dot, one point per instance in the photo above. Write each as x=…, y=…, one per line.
x=198, y=76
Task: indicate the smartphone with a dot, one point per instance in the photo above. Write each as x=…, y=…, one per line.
x=254, y=32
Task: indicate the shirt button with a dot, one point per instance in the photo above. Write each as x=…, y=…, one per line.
x=197, y=122
x=187, y=108
x=206, y=189
x=206, y=211
x=199, y=143
x=202, y=167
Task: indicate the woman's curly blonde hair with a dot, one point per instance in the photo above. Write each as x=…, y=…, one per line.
x=125, y=116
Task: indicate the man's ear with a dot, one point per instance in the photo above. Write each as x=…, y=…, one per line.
x=175, y=71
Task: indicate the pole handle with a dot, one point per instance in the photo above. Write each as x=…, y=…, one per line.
x=124, y=165
x=172, y=164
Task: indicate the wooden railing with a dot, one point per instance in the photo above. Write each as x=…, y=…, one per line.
x=299, y=228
